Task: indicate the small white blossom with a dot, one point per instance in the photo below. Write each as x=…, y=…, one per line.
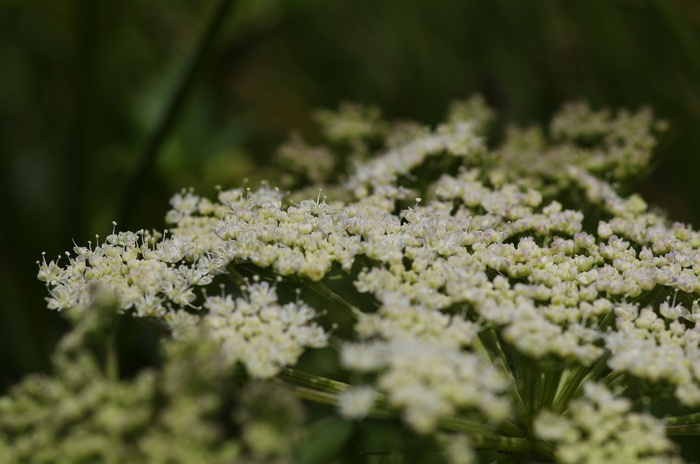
x=600, y=428
x=356, y=402
x=458, y=450
x=429, y=382
x=260, y=333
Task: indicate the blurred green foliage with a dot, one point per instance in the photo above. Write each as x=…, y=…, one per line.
x=85, y=86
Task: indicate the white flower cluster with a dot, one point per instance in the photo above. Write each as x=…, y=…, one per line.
x=427, y=381
x=645, y=346
x=601, y=428
x=490, y=249
x=259, y=332
x=313, y=163
x=457, y=256
x=618, y=146
x=143, y=273
x=458, y=450
x=398, y=320
x=357, y=402
x=456, y=139
x=351, y=123
x=304, y=241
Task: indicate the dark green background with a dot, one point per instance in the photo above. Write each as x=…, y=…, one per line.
x=85, y=85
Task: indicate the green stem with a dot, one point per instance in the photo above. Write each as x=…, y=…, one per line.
x=571, y=384
x=511, y=445
x=332, y=399
x=235, y=277
x=576, y=377
x=673, y=430
x=521, y=377
x=612, y=378
x=684, y=420
x=500, y=360
x=311, y=394
x=480, y=350
x=138, y=182
x=507, y=427
x=326, y=292
x=545, y=449
x=506, y=444
x=534, y=386
x=494, y=442
x=112, y=355
x=551, y=386
x=313, y=381
x=510, y=429
x=318, y=383
x=593, y=374
x=474, y=429
x=459, y=424
x=155, y=324
x=599, y=366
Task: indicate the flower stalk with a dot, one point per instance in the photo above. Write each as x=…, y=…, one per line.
x=339, y=301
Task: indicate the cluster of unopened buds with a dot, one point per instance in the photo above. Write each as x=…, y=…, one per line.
x=518, y=301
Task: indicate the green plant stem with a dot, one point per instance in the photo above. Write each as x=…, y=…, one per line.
x=333, y=386
x=510, y=429
x=512, y=445
x=506, y=444
x=507, y=427
x=311, y=394
x=521, y=374
x=459, y=424
x=154, y=324
x=136, y=185
x=674, y=430
x=533, y=386
x=326, y=292
x=112, y=353
x=571, y=384
x=593, y=373
x=480, y=350
x=318, y=383
x=599, y=366
x=612, y=378
x=551, y=386
x=313, y=381
x=500, y=360
x=684, y=420
x=544, y=448
x=235, y=276
x=573, y=381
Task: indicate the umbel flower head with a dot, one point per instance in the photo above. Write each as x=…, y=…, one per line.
x=511, y=296
x=193, y=410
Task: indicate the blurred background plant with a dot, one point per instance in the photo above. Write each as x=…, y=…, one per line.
x=108, y=108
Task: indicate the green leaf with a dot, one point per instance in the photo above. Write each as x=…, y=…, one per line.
x=326, y=438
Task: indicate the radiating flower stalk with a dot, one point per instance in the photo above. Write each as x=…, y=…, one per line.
x=506, y=298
